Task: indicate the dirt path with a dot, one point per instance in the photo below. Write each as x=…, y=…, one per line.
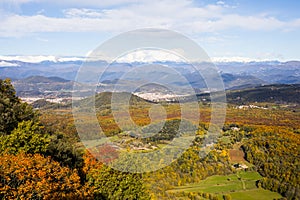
x=243, y=183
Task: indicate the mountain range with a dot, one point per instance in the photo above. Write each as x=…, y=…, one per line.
x=59, y=74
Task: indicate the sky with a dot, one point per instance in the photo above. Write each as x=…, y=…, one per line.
x=236, y=29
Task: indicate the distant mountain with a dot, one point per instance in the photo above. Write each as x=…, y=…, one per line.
x=269, y=72
x=234, y=74
x=280, y=93
x=43, y=79
x=233, y=80
x=267, y=93
x=44, y=104
x=104, y=99
x=39, y=85
x=21, y=70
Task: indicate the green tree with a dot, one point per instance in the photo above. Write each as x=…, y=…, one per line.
x=112, y=184
x=227, y=197
x=12, y=110
x=62, y=151
x=28, y=137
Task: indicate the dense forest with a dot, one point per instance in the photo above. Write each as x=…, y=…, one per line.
x=42, y=156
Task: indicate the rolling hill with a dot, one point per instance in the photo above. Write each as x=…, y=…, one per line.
x=278, y=93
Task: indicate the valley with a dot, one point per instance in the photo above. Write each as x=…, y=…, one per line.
x=147, y=146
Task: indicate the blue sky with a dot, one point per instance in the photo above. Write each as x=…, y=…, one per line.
x=256, y=29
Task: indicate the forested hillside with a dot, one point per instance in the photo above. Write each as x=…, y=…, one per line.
x=255, y=156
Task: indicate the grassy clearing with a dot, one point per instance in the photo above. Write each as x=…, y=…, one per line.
x=98, y=142
x=255, y=194
x=239, y=186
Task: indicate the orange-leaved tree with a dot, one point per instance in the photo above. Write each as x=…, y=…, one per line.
x=25, y=176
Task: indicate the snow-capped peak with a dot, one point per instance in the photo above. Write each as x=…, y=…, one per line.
x=39, y=59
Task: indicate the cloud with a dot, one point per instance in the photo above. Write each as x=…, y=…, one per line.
x=220, y=3
x=76, y=3
x=40, y=12
x=7, y=64
x=82, y=13
x=42, y=39
x=137, y=56
x=8, y=60
x=183, y=16
x=225, y=59
x=259, y=23
x=150, y=56
x=29, y=59
x=17, y=1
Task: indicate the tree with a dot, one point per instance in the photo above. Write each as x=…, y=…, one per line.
x=112, y=184
x=36, y=177
x=12, y=110
x=226, y=197
x=62, y=151
x=28, y=137
x=20, y=131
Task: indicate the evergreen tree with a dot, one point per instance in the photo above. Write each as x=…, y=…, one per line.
x=12, y=110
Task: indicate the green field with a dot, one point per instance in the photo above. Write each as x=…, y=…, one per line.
x=240, y=186
x=255, y=194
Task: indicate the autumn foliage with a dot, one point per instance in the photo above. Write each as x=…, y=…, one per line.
x=43, y=158
x=36, y=177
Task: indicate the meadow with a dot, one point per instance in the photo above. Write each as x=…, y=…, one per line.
x=239, y=186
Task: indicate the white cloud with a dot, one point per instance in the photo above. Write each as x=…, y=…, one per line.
x=181, y=16
x=7, y=64
x=137, y=56
x=6, y=60
x=17, y=1
x=40, y=12
x=82, y=13
x=232, y=59
x=150, y=56
x=260, y=58
x=90, y=3
x=42, y=39
x=220, y=3
x=29, y=59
